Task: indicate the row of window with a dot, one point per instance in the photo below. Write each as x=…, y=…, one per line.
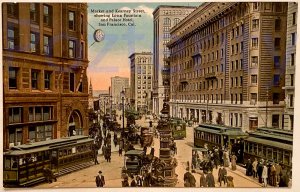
x=40, y=80
x=167, y=22
x=268, y=152
x=47, y=49
x=13, y=11
x=36, y=133
x=234, y=98
x=40, y=113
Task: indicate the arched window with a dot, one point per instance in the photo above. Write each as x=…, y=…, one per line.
x=167, y=21
x=176, y=21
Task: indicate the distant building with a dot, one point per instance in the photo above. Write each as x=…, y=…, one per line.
x=117, y=85
x=104, y=100
x=91, y=96
x=164, y=18
x=228, y=64
x=291, y=41
x=44, y=71
x=141, y=69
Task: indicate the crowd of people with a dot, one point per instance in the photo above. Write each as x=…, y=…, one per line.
x=137, y=180
x=268, y=172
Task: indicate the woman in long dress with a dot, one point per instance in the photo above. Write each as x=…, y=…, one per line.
x=226, y=158
x=233, y=162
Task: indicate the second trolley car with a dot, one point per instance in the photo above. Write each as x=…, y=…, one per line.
x=270, y=144
x=24, y=164
x=178, y=127
x=217, y=136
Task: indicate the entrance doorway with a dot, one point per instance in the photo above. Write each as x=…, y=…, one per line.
x=75, y=124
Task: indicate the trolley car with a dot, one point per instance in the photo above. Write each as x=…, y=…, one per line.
x=270, y=144
x=24, y=164
x=216, y=135
x=178, y=127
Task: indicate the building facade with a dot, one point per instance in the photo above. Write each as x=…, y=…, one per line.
x=91, y=95
x=44, y=71
x=104, y=101
x=141, y=72
x=164, y=18
x=118, y=84
x=228, y=64
x=291, y=37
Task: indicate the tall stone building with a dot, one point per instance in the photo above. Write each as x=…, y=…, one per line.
x=291, y=37
x=91, y=95
x=141, y=69
x=228, y=64
x=44, y=71
x=118, y=84
x=164, y=18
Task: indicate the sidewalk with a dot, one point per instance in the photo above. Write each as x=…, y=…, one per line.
x=240, y=171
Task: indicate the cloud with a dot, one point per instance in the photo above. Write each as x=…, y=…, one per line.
x=148, y=10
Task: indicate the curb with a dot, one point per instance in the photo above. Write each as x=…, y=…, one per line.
x=244, y=176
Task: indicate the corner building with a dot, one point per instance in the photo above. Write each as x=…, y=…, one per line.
x=164, y=18
x=44, y=71
x=141, y=72
x=291, y=36
x=228, y=64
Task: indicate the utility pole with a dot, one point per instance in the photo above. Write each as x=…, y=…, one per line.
x=267, y=99
x=206, y=117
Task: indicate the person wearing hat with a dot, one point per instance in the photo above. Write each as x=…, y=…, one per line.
x=210, y=179
x=100, y=182
x=189, y=179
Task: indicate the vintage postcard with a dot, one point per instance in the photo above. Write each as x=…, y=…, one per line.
x=148, y=94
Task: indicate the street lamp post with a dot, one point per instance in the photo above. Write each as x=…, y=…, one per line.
x=123, y=98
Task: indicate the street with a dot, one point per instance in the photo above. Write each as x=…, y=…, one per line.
x=112, y=171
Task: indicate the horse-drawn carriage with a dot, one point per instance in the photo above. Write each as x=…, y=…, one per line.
x=200, y=159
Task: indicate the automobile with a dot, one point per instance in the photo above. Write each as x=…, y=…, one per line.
x=133, y=162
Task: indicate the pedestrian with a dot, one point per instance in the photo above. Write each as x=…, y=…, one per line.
x=203, y=182
x=210, y=179
x=96, y=155
x=226, y=158
x=284, y=177
x=125, y=182
x=120, y=151
x=189, y=179
x=175, y=148
x=139, y=181
x=273, y=175
x=100, y=181
x=233, y=162
x=249, y=168
x=254, y=168
x=259, y=171
x=278, y=171
x=222, y=175
x=48, y=174
x=145, y=150
x=230, y=181
x=264, y=175
x=133, y=181
x=152, y=151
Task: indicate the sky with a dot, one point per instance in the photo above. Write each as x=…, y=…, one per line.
x=109, y=57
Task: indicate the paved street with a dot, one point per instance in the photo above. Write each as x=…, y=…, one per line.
x=112, y=170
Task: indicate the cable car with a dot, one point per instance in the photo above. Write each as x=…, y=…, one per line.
x=24, y=164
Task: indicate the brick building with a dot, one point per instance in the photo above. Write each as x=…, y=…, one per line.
x=44, y=71
x=228, y=64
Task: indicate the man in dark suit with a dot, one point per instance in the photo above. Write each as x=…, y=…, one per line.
x=100, y=182
x=203, y=182
x=210, y=179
